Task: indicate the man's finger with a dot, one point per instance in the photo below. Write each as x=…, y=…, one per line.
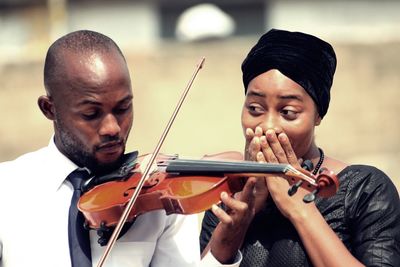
x=221, y=214
x=234, y=204
x=247, y=195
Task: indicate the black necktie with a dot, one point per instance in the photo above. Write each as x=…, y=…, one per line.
x=78, y=236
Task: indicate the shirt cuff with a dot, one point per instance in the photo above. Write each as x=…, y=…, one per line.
x=210, y=261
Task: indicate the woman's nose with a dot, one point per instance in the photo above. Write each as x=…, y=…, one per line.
x=271, y=122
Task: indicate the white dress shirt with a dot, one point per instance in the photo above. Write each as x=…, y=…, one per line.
x=34, y=205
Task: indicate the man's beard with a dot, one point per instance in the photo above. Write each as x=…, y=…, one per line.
x=81, y=155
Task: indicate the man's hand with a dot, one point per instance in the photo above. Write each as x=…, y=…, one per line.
x=228, y=236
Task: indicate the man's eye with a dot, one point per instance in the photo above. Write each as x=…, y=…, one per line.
x=123, y=109
x=90, y=115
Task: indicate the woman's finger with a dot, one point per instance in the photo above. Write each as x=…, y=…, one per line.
x=276, y=147
x=287, y=147
x=267, y=150
x=249, y=134
x=260, y=157
x=253, y=148
x=258, y=131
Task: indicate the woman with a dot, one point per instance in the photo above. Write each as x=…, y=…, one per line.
x=287, y=78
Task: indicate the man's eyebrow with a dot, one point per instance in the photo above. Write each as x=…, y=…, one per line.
x=95, y=102
x=89, y=102
x=126, y=99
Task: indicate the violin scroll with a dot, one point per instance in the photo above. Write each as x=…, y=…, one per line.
x=328, y=185
x=325, y=183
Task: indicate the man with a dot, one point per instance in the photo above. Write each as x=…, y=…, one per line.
x=89, y=101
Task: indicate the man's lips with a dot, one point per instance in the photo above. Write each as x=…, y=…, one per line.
x=110, y=147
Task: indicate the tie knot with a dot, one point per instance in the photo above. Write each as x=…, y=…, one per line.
x=77, y=177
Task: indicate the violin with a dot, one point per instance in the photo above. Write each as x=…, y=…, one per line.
x=184, y=186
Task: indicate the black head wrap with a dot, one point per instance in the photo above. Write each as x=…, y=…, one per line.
x=305, y=59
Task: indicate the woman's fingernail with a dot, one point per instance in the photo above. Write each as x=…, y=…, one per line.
x=248, y=131
x=269, y=133
x=282, y=137
x=263, y=140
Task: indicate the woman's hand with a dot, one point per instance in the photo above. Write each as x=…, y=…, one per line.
x=253, y=153
x=277, y=148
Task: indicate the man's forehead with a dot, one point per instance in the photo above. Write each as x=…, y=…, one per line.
x=70, y=56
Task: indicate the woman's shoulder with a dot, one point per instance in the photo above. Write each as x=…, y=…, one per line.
x=368, y=180
x=361, y=177
x=365, y=172
x=356, y=171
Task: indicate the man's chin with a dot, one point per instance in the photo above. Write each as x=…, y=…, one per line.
x=107, y=163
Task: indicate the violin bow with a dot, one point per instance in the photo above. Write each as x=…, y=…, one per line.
x=146, y=172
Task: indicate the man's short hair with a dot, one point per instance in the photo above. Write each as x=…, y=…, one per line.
x=80, y=42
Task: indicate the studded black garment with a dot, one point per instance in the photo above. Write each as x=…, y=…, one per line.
x=365, y=214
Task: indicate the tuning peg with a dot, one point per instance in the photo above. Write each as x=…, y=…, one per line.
x=323, y=169
x=307, y=165
x=311, y=196
x=293, y=189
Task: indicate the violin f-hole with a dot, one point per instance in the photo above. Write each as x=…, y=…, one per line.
x=133, y=188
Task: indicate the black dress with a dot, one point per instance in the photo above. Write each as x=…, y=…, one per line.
x=365, y=214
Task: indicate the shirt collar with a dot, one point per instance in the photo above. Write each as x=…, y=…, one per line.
x=61, y=165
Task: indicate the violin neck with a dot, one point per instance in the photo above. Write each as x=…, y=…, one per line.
x=204, y=167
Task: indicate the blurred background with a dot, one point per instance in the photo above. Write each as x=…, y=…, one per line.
x=163, y=40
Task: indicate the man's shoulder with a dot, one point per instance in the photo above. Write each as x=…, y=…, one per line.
x=25, y=159
x=26, y=164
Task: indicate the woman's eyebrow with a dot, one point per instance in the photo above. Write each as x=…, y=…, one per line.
x=292, y=96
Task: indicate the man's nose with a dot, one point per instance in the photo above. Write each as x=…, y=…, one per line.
x=109, y=126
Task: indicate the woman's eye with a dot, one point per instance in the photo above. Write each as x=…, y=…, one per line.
x=289, y=114
x=255, y=109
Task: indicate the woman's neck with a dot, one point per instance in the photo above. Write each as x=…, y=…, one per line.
x=313, y=154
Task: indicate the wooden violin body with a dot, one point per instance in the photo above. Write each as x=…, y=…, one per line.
x=187, y=186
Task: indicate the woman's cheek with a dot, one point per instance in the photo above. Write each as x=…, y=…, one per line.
x=300, y=142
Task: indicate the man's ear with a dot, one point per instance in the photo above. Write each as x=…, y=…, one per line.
x=46, y=105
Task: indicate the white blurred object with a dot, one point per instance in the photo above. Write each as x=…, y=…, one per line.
x=204, y=21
